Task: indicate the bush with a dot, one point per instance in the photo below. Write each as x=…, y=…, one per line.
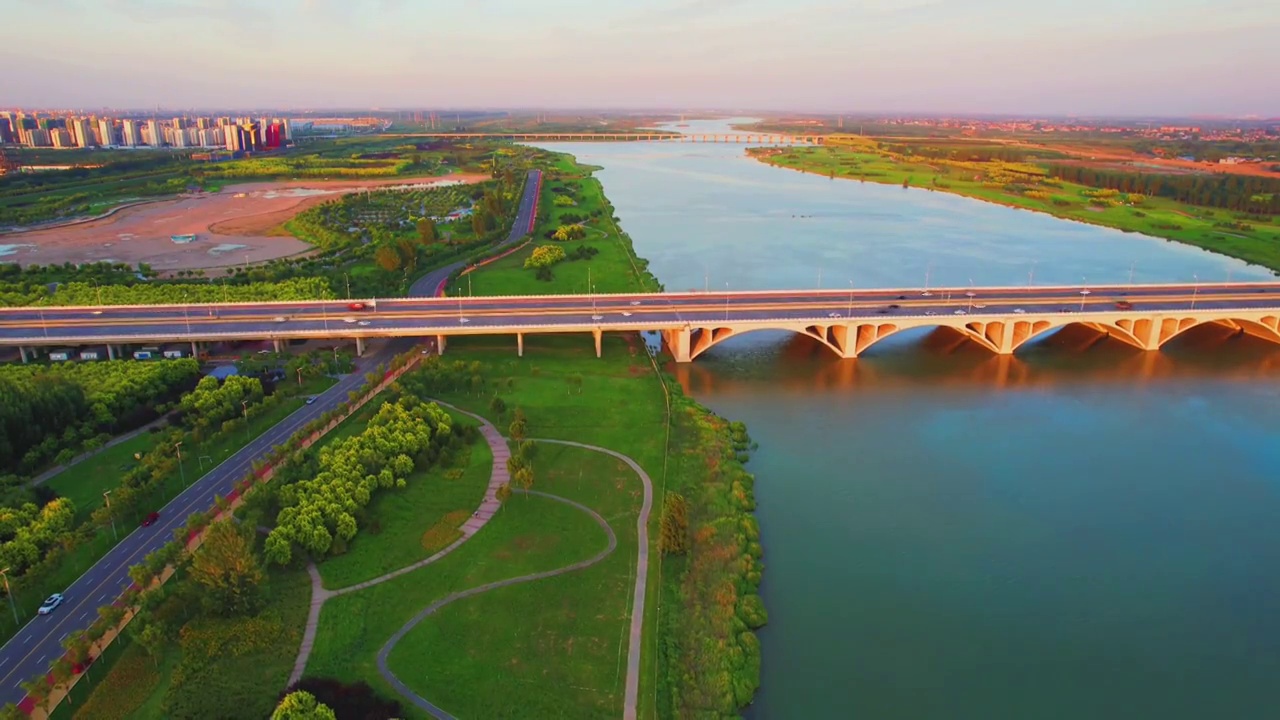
x=545, y=256
x=349, y=701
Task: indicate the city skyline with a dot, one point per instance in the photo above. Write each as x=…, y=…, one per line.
x=1180, y=58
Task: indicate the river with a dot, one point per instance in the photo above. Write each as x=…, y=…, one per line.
x=1080, y=531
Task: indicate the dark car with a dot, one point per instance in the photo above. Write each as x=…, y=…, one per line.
x=1124, y=305
x=150, y=519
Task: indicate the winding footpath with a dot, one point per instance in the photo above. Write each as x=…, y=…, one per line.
x=489, y=506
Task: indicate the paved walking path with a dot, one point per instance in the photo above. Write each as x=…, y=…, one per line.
x=498, y=476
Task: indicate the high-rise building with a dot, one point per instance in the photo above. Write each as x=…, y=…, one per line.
x=288, y=129
x=204, y=123
x=179, y=123
x=36, y=137
x=130, y=135
x=211, y=137
x=82, y=129
x=6, y=129
x=157, y=134
x=232, y=135
x=60, y=137
x=106, y=132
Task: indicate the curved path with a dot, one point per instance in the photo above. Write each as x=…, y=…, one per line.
x=422, y=702
x=498, y=477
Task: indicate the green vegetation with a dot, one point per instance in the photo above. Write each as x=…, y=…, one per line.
x=1131, y=202
x=565, y=656
x=50, y=413
x=422, y=519
x=144, y=293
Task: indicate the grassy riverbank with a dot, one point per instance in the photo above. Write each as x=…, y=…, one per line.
x=1027, y=186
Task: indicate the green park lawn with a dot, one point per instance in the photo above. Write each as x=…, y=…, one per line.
x=549, y=648
x=1157, y=217
x=531, y=535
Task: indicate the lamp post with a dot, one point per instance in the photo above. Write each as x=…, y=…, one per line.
x=1132, y=265
x=1195, y=290
x=927, y=270
x=7, y=591
x=43, y=324
x=186, y=312
x=107, y=497
x=1031, y=274
x=182, y=473
x=348, y=279
x=1084, y=292
x=726, y=301
x=850, y=314
x=970, y=294
x=244, y=405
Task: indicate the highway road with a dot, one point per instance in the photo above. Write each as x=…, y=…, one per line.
x=38, y=643
x=423, y=317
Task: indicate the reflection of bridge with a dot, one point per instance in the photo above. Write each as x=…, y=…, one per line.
x=847, y=322
x=747, y=138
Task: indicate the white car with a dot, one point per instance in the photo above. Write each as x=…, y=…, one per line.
x=281, y=318
x=51, y=604
x=959, y=312
x=626, y=314
x=1020, y=311
x=349, y=320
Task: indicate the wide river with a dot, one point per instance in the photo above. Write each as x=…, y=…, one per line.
x=1080, y=531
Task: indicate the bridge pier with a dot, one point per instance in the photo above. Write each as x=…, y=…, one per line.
x=519, y=344
x=598, y=334
x=23, y=352
x=111, y=351
x=195, y=349
x=359, y=347
x=277, y=345
x=440, y=343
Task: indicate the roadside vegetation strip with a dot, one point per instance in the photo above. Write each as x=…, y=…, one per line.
x=198, y=524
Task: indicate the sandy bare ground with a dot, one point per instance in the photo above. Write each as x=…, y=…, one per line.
x=238, y=225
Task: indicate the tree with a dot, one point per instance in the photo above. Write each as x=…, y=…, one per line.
x=674, y=536
x=150, y=635
x=227, y=569
x=518, y=429
x=498, y=406
x=387, y=258
x=302, y=705
x=523, y=478
x=427, y=232
x=503, y=493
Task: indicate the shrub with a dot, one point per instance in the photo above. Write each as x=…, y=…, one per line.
x=349, y=701
x=545, y=256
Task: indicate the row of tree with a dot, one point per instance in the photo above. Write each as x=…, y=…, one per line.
x=1242, y=193
x=211, y=403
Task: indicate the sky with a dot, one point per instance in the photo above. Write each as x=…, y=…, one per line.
x=1030, y=57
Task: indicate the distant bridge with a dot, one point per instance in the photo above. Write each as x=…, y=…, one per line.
x=848, y=322
x=741, y=138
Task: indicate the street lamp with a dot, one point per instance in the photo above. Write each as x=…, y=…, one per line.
x=1031, y=274
x=726, y=301
x=928, y=269
x=591, y=290
x=970, y=294
x=1084, y=293
x=850, y=314
x=182, y=473
x=43, y=324
x=186, y=312
x=348, y=279
x=107, y=496
x=12, y=605
x=1132, y=265
x=1195, y=290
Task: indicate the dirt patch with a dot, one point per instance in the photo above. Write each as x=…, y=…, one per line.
x=238, y=225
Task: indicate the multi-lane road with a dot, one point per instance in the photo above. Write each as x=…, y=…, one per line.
x=38, y=643
x=424, y=317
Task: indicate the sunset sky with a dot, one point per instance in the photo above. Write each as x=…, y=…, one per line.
x=1131, y=57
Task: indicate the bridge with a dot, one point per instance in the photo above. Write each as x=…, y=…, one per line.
x=848, y=322
x=744, y=138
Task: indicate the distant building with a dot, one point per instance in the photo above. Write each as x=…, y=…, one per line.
x=179, y=123
x=130, y=135
x=6, y=130
x=288, y=129
x=203, y=123
x=157, y=135
x=83, y=132
x=36, y=137
x=232, y=135
x=211, y=137
x=106, y=132
x=60, y=138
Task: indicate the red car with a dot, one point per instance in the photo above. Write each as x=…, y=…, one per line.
x=356, y=306
x=150, y=519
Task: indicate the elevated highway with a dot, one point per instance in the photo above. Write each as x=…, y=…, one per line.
x=1001, y=319
x=740, y=137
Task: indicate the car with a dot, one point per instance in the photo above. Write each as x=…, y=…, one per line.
x=311, y=400
x=150, y=519
x=348, y=320
x=959, y=312
x=363, y=323
x=280, y=318
x=1020, y=311
x=356, y=306
x=834, y=315
x=96, y=312
x=626, y=314
x=980, y=306
x=51, y=604
x=635, y=302
x=1124, y=305
x=895, y=306
x=901, y=297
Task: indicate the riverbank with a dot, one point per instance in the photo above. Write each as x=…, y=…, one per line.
x=1026, y=187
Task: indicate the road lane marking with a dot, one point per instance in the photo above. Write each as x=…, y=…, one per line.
x=235, y=468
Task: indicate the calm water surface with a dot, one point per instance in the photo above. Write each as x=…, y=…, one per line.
x=1081, y=531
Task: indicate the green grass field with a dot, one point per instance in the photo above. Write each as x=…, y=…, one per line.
x=564, y=654
x=1158, y=217
x=528, y=536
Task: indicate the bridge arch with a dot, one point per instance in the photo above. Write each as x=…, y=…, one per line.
x=1000, y=336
